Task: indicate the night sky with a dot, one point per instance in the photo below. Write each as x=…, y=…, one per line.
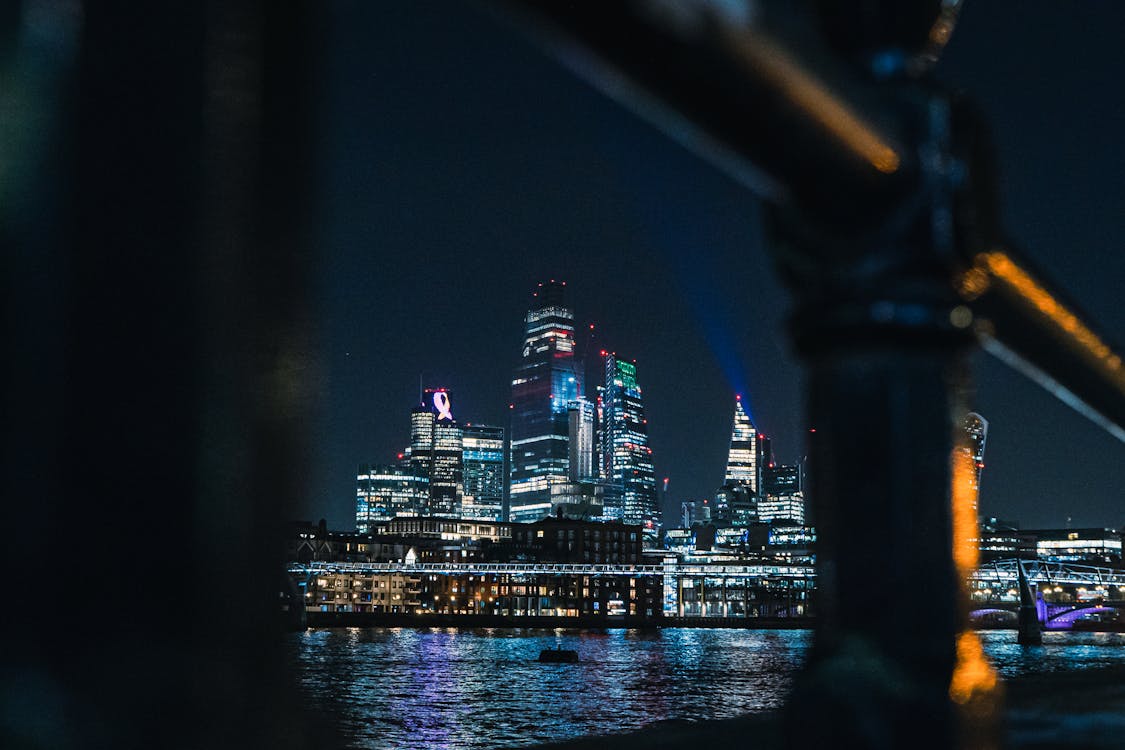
x=460, y=166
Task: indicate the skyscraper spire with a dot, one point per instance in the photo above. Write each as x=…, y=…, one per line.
x=742, y=461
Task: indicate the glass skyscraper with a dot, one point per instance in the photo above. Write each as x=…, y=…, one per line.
x=482, y=451
x=782, y=497
x=626, y=455
x=976, y=429
x=545, y=383
x=583, y=438
x=383, y=492
x=435, y=452
x=742, y=462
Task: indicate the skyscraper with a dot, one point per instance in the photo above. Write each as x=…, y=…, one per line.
x=626, y=455
x=976, y=429
x=582, y=434
x=435, y=452
x=483, y=460
x=782, y=496
x=383, y=492
x=742, y=461
x=545, y=383
x=446, y=470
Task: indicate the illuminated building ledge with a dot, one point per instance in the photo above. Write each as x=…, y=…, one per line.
x=999, y=571
x=729, y=571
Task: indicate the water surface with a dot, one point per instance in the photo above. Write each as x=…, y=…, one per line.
x=449, y=688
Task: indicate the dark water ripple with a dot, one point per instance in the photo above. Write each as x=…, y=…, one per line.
x=447, y=688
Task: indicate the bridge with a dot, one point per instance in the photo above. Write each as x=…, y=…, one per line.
x=1005, y=572
x=1082, y=593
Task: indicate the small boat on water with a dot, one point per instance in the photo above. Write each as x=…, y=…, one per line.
x=558, y=655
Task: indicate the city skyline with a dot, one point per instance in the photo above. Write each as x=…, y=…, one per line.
x=512, y=172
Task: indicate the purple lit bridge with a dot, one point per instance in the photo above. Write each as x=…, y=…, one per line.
x=1067, y=596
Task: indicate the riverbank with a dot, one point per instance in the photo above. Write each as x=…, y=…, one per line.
x=395, y=620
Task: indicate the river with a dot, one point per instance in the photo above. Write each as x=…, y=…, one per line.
x=448, y=688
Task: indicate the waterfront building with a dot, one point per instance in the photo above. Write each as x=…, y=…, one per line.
x=392, y=592
x=596, y=596
x=545, y=383
x=742, y=460
x=1090, y=546
x=447, y=529
x=482, y=457
x=308, y=542
x=566, y=540
x=383, y=492
x=626, y=455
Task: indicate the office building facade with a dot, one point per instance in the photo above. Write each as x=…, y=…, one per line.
x=482, y=453
x=626, y=455
x=383, y=492
x=544, y=385
x=976, y=432
x=783, y=499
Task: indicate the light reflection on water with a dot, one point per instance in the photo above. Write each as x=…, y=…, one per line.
x=1060, y=652
x=448, y=688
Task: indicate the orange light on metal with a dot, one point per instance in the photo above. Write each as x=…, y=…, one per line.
x=811, y=95
x=1019, y=281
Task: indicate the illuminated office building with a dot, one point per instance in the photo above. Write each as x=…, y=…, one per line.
x=626, y=456
x=383, y=492
x=446, y=456
x=976, y=429
x=482, y=451
x=420, y=451
x=435, y=451
x=1096, y=546
x=782, y=496
x=545, y=383
x=582, y=434
x=735, y=505
x=742, y=462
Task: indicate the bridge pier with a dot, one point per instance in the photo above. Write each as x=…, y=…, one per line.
x=1030, y=633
